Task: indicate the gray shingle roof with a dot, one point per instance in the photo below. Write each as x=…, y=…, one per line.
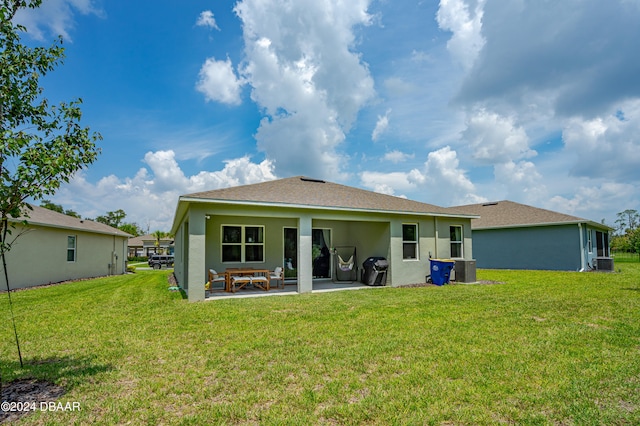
x=301, y=191
x=45, y=217
x=140, y=240
x=500, y=214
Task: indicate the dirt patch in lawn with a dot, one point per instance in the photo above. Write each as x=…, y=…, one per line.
x=24, y=396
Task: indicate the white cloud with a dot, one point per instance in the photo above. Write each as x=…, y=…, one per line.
x=446, y=180
x=496, y=139
x=466, y=25
x=218, y=82
x=581, y=56
x=441, y=181
x=388, y=183
x=521, y=181
x=381, y=126
x=594, y=202
x=206, y=19
x=606, y=146
x=307, y=79
x=55, y=16
x=159, y=185
x=396, y=156
x=533, y=73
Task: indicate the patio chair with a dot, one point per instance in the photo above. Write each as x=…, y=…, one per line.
x=277, y=275
x=345, y=270
x=260, y=281
x=215, y=278
x=346, y=266
x=239, y=282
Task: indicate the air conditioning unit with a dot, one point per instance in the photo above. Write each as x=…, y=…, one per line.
x=465, y=271
x=604, y=264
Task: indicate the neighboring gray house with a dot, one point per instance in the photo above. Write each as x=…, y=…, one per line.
x=54, y=247
x=510, y=235
x=145, y=245
x=297, y=222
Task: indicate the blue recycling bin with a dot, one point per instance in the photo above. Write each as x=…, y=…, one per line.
x=441, y=270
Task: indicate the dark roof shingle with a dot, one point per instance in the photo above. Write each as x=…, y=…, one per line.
x=46, y=217
x=301, y=191
x=501, y=214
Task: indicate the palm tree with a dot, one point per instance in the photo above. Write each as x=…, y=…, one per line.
x=159, y=235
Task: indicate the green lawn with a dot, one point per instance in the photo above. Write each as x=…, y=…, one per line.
x=621, y=257
x=537, y=348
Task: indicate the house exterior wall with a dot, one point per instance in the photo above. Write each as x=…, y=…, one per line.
x=373, y=234
x=273, y=240
x=181, y=252
x=591, y=243
x=39, y=256
x=443, y=248
x=411, y=271
x=541, y=247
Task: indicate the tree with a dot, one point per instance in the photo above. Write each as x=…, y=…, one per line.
x=159, y=235
x=627, y=220
x=634, y=240
x=51, y=206
x=58, y=208
x=112, y=218
x=131, y=228
x=115, y=220
x=72, y=214
x=41, y=145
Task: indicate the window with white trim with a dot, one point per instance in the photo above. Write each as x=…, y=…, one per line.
x=589, y=241
x=410, y=241
x=455, y=238
x=242, y=243
x=71, y=248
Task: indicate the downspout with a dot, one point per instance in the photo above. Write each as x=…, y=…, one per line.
x=582, y=260
x=114, y=258
x=435, y=225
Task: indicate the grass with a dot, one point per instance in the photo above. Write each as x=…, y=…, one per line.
x=625, y=257
x=538, y=348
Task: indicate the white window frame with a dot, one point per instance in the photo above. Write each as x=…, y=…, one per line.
x=416, y=243
x=590, y=241
x=73, y=249
x=243, y=244
x=461, y=242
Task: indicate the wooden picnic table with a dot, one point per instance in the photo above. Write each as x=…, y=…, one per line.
x=244, y=276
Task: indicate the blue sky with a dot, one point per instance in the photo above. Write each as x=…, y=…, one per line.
x=448, y=103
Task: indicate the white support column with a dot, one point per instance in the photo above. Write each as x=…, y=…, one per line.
x=196, y=265
x=305, y=261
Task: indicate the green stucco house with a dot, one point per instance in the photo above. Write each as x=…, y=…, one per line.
x=296, y=222
x=509, y=235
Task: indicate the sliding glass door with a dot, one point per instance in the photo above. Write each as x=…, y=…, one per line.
x=290, y=253
x=321, y=242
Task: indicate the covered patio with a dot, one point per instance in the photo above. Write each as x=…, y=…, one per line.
x=312, y=229
x=320, y=285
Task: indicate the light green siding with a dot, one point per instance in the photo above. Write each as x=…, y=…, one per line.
x=373, y=234
x=39, y=256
